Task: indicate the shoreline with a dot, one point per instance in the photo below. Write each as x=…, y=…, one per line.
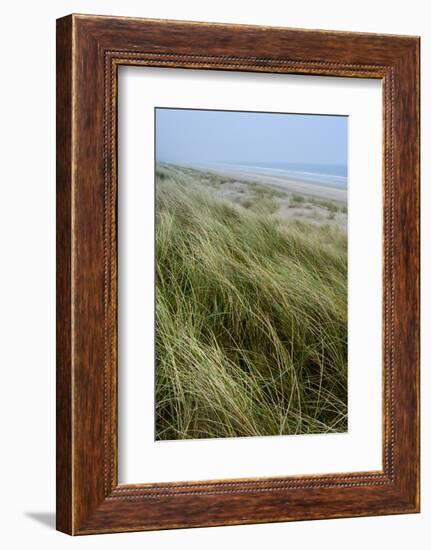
x=284, y=202
x=281, y=183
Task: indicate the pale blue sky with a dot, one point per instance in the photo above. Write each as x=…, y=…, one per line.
x=187, y=136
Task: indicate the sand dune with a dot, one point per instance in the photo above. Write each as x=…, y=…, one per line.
x=284, y=184
x=284, y=199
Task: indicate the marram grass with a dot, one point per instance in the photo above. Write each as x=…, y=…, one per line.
x=251, y=318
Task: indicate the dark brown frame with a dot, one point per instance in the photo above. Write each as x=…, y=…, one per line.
x=89, y=50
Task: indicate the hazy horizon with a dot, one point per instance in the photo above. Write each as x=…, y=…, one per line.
x=191, y=137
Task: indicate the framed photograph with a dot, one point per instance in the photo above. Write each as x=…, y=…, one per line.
x=237, y=274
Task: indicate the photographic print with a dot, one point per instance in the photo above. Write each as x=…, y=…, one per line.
x=251, y=273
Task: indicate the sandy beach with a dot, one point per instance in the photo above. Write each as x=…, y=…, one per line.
x=279, y=197
x=282, y=183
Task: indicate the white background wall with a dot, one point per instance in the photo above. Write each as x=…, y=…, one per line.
x=27, y=247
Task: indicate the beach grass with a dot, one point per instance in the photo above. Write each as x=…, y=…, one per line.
x=251, y=317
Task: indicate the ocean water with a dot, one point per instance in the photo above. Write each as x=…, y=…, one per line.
x=332, y=175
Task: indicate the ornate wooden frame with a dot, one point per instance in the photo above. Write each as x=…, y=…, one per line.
x=89, y=51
